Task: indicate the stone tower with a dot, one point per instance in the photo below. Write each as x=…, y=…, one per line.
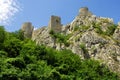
x=55, y=24
x=84, y=11
x=27, y=29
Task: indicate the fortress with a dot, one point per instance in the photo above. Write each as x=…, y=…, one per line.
x=86, y=28
x=54, y=23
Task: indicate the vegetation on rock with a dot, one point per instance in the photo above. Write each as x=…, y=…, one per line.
x=109, y=32
x=60, y=38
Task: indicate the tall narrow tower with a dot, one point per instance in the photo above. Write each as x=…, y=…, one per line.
x=27, y=29
x=55, y=24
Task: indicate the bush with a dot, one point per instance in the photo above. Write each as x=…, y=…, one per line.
x=110, y=30
x=13, y=47
x=51, y=32
x=83, y=47
x=19, y=34
x=98, y=28
x=3, y=54
x=16, y=62
x=76, y=28
x=60, y=38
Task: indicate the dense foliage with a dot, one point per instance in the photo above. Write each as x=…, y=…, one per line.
x=22, y=59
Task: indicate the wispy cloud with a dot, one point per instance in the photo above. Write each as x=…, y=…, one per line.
x=8, y=8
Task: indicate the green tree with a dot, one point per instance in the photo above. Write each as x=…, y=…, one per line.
x=2, y=36
x=24, y=60
x=18, y=34
x=13, y=47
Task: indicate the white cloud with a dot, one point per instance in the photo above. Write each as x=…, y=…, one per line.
x=8, y=8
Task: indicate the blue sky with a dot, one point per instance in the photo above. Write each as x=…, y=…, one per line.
x=39, y=11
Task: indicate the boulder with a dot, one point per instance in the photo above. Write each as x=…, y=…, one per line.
x=92, y=38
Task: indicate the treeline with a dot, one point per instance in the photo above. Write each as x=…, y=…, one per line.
x=22, y=59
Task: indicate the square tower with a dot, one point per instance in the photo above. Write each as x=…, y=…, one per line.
x=55, y=24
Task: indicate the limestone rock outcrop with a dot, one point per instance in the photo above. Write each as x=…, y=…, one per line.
x=87, y=35
x=42, y=37
x=91, y=38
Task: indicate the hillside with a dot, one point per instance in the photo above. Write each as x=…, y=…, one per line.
x=88, y=48
x=87, y=35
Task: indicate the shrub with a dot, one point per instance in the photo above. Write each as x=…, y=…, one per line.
x=76, y=28
x=60, y=38
x=16, y=62
x=51, y=32
x=85, y=51
x=83, y=47
x=81, y=28
x=110, y=30
x=3, y=54
x=12, y=47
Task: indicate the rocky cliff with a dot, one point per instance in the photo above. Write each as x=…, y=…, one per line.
x=87, y=35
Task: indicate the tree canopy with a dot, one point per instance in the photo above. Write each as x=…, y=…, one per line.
x=22, y=59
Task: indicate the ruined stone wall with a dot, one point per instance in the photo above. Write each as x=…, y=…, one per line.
x=55, y=24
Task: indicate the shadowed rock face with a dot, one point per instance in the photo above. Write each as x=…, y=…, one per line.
x=27, y=28
x=94, y=44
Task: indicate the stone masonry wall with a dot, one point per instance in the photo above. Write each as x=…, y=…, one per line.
x=55, y=24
